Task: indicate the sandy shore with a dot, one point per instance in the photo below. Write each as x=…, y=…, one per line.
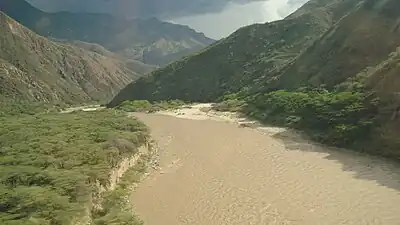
x=203, y=112
x=215, y=172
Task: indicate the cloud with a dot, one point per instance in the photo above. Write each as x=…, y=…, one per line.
x=139, y=8
x=216, y=18
x=234, y=16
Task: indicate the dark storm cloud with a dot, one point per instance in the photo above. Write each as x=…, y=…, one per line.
x=137, y=8
x=216, y=18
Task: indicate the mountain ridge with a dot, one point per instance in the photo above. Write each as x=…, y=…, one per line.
x=252, y=55
x=34, y=68
x=136, y=38
x=344, y=43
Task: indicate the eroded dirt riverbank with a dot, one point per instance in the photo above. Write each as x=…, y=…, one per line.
x=216, y=173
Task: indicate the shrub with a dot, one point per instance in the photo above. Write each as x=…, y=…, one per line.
x=50, y=162
x=146, y=106
x=339, y=118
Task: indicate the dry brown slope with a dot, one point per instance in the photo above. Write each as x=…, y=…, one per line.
x=37, y=69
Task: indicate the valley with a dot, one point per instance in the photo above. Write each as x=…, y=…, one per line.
x=107, y=120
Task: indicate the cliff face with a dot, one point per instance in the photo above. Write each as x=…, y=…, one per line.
x=36, y=69
x=115, y=176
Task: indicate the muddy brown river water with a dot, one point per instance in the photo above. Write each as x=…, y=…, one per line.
x=217, y=173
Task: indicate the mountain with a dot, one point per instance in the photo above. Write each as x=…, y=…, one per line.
x=330, y=69
x=134, y=65
x=136, y=8
x=362, y=39
x=251, y=56
x=34, y=68
x=150, y=41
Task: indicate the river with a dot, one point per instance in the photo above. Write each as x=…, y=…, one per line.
x=214, y=172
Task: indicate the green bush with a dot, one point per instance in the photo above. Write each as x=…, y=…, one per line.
x=339, y=118
x=146, y=106
x=17, y=107
x=50, y=162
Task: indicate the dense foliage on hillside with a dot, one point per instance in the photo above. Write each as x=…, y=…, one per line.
x=51, y=163
x=338, y=118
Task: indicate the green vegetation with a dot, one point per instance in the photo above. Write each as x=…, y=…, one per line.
x=20, y=107
x=146, y=106
x=337, y=118
x=363, y=121
x=51, y=163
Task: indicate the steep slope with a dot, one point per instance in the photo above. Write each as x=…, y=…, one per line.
x=384, y=80
x=36, y=69
x=252, y=55
x=362, y=39
x=134, y=65
x=357, y=61
x=148, y=40
x=361, y=54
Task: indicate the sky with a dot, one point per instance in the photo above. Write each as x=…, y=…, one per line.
x=220, y=24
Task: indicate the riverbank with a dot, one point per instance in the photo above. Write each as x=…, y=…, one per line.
x=204, y=111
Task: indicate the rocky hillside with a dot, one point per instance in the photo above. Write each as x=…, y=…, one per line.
x=36, y=69
x=337, y=61
x=134, y=65
x=252, y=55
x=150, y=41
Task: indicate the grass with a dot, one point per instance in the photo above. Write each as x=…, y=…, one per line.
x=51, y=162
